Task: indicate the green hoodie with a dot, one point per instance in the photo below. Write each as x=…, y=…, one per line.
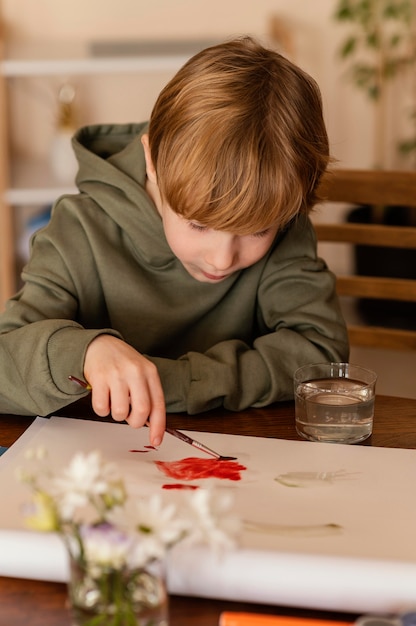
x=103, y=265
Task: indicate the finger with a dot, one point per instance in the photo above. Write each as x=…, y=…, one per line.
x=139, y=413
x=100, y=400
x=119, y=401
x=157, y=415
x=157, y=421
x=148, y=407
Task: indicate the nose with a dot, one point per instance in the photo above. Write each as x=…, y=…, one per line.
x=222, y=253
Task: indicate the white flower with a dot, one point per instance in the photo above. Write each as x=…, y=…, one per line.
x=87, y=480
x=211, y=523
x=105, y=546
x=156, y=526
x=152, y=516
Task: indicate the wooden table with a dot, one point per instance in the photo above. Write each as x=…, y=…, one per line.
x=38, y=603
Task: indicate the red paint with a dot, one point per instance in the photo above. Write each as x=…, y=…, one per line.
x=147, y=449
x=192, y=468
x=179, y=486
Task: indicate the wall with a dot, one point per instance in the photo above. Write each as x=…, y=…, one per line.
x=315, y=40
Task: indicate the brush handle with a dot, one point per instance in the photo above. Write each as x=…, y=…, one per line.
x=80, y=382
x=196, y=444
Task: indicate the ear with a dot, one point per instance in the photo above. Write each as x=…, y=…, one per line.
x=150, y=169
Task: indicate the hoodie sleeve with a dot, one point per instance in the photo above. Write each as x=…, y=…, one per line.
x=40, y=343
x=35, y=362
x=234, y=375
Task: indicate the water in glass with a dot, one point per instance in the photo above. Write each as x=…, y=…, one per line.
x=334, y=410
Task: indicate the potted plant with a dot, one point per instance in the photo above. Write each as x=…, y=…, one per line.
x=379, y=50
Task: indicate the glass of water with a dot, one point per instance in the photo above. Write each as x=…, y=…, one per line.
x=334, y=402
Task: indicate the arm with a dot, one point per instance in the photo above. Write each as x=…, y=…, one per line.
x=59, y=325
x=48, y=326
x=28, y=357
x=41, y=338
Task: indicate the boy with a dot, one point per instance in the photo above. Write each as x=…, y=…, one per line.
x=184, y=275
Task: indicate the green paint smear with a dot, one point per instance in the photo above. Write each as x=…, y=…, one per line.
x=310, y=479
x=304, y=530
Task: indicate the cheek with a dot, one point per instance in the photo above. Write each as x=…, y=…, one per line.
x=178, y=241
x=173, y=241
x=253, y=251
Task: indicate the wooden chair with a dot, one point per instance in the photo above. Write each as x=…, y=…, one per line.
x=378, y=189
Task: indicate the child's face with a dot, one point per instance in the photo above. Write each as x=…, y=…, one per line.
x=211, y=256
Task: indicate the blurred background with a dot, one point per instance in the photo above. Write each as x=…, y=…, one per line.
x=306, y=31
x=43, y=110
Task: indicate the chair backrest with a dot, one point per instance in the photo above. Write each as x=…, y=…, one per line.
x=386, y=192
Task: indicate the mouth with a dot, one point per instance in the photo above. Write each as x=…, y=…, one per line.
x=214, y=276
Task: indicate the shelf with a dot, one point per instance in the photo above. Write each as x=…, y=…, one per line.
x=33, y=183
x=99, y=58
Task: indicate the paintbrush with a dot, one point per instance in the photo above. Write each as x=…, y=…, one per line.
x=172, y=431
x=196, y=444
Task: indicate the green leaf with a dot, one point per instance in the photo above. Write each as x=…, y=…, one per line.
x=391, y=68
x=374, y=92
x=408, y=146
x=348, y=47
x=365, y=73
x=344, y=14
x=373, y=40
x=366, y=12
x=395, y=40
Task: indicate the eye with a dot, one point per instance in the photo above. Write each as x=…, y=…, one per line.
x=262, y=233
x=195, y=226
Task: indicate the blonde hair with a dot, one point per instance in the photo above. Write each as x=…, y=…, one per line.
x=238, y=139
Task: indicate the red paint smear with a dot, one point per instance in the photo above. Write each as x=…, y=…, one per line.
x=192, y=468
x=138, y=450
x=150, y=447
x=179, y=486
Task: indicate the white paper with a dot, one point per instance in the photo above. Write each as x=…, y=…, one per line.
x=342, y=540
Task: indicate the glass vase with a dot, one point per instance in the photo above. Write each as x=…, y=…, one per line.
x=108, y=596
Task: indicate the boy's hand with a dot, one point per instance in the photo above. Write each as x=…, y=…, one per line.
x=125, y=384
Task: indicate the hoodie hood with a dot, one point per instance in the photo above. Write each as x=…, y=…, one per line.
x=112, y=172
